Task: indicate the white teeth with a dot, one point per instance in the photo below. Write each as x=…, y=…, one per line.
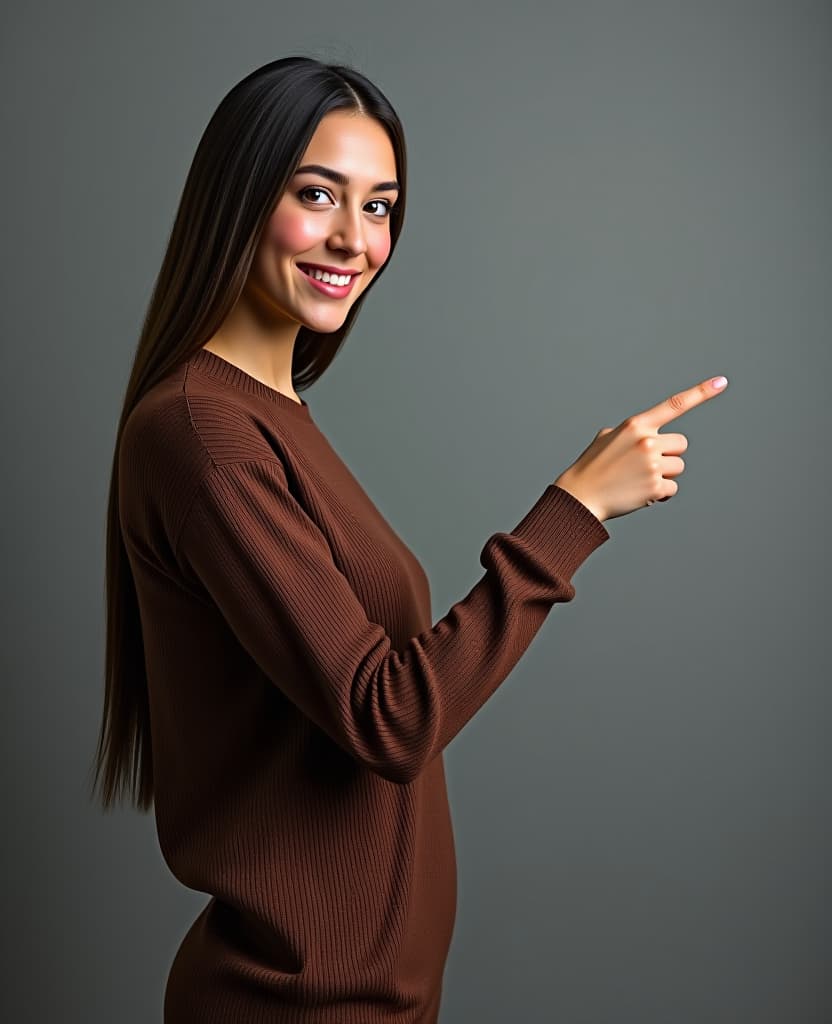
x=323, y=275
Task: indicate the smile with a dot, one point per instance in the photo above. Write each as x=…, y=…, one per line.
x=326, y=283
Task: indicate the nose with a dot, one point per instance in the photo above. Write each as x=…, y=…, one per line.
x=348, y=234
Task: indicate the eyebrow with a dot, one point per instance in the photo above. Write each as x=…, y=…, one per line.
x=342, y=179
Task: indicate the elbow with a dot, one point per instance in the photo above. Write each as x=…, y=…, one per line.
x=394, y=738
x=398, y=754
x=401, y=755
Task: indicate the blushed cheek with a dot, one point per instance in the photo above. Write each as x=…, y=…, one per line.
x=292, y=232
x=378, y=249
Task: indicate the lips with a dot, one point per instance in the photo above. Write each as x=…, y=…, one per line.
x=328, y=269
x=332, y=291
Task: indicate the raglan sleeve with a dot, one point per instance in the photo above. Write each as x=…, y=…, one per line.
x=270, y=570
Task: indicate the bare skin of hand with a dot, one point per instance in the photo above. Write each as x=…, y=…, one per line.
x=632, y=465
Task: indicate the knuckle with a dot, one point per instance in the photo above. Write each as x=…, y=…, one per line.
x=677, y=402
x=647, y=443
x=632, y=424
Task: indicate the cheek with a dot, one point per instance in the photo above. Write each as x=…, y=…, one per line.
x=378, y=249
x=292, y=232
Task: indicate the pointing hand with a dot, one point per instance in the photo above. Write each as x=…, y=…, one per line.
x=632, y=465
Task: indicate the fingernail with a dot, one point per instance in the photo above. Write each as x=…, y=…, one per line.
x=719, y=382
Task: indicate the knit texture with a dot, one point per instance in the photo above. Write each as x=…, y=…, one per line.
x=301, y=697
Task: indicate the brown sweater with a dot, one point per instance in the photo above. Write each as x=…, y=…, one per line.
x=301, y=697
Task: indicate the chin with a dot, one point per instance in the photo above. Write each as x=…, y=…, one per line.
x=323, y=325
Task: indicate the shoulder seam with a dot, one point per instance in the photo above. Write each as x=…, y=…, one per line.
x=194, y=427
x=215, y=468
x=221, y=402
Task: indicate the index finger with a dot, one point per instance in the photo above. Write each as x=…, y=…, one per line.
x=681, y=402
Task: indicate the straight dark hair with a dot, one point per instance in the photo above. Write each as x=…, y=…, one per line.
x=248, y=153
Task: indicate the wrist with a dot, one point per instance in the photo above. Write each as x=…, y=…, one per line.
x=567, y=483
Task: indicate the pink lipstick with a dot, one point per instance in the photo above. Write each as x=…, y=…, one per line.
x=334, y=291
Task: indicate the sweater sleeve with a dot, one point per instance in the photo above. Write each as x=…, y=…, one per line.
x=270, y=570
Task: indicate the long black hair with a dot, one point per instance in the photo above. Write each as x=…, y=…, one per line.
x=243, y=163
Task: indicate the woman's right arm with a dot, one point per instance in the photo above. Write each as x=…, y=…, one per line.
x=270, y=571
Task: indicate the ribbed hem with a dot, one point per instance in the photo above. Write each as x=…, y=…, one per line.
x=562, y=529
x=212, y=365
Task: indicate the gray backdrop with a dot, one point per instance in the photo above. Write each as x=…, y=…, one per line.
x=608, y=202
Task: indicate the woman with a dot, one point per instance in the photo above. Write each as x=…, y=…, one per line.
x=275, y=685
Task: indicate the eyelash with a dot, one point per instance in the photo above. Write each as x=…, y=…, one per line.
x=314, y=188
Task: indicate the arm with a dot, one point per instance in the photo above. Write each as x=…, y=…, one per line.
x=270, y=571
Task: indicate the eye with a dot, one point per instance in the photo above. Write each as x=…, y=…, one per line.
x=312, y=188
x=388, y=206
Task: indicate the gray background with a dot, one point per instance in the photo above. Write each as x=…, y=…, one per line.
x=608, y=202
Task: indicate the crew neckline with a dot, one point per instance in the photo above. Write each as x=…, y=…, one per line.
x=221, y=369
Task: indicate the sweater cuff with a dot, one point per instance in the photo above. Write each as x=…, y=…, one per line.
x=562, y=530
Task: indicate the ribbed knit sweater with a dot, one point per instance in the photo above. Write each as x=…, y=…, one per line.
x=301, y=698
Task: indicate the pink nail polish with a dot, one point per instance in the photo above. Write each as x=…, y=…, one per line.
x=719, y=382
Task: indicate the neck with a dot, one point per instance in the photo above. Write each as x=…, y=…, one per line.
x=262, y=345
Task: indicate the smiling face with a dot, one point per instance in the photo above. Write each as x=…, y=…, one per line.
x=334, y=214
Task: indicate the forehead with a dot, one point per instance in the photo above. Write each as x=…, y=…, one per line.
x=354, y=144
